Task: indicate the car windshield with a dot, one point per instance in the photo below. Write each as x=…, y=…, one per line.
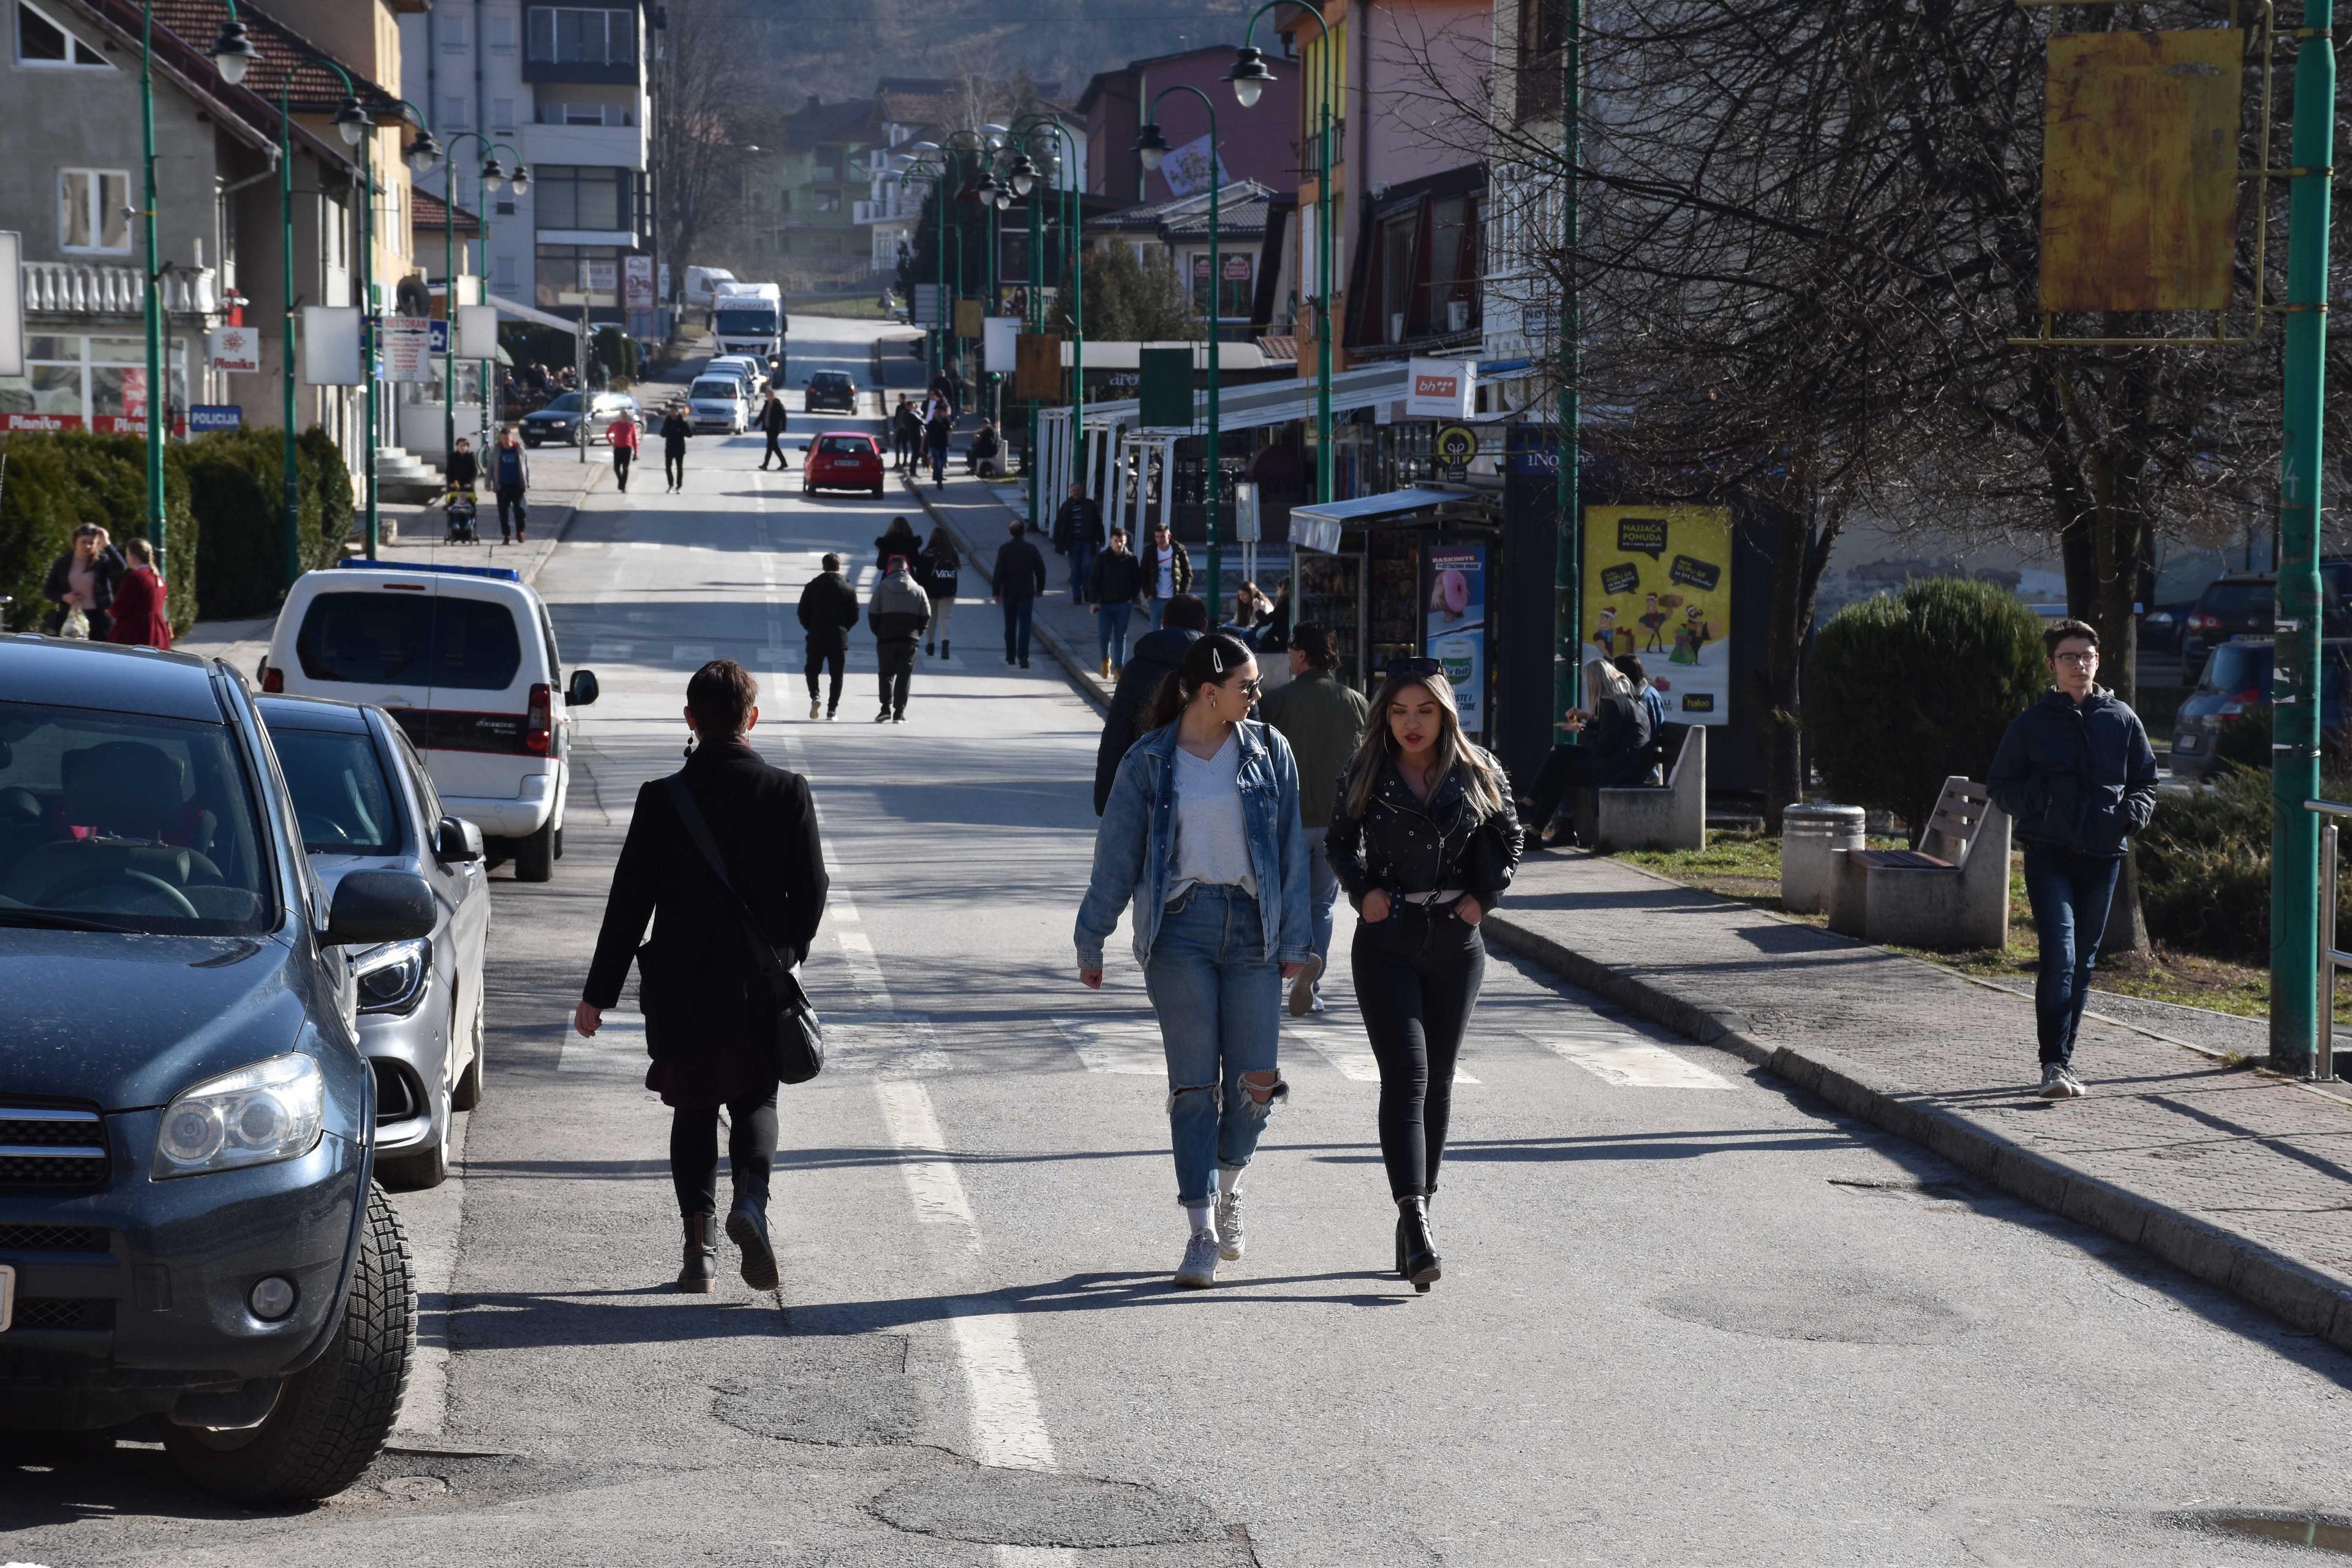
x=845, y=446
x=409, y=639
x=832, y=380
x=747, y=321
x=567, y=404
x=715, y=386
x=2236, y=667
x=2238, y=600
x=340, y=796
x=124, y=821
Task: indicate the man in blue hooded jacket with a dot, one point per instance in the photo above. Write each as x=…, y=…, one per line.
x=2077, y=776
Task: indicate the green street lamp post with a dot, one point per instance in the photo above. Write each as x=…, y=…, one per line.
x=1152, y=146
x=1026, y=175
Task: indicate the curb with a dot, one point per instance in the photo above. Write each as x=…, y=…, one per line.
x=2298, y=1295
x=1083, y=676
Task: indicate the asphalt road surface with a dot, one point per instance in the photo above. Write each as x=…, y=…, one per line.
x=1687, y=1316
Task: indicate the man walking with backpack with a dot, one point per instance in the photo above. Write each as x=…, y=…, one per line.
x=2077, y=776
x=935, y=440
x=899, y=612
x=828, y=609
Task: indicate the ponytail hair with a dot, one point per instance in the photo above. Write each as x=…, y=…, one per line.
x=1210, y=661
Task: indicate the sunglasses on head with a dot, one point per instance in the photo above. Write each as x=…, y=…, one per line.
x=1413, y=668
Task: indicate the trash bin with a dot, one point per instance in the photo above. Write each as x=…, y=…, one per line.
x=1810, y=836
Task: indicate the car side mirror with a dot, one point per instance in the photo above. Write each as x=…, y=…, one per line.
x=804, y=445
x=457, y=841
x=370, y=907
x=582, y=691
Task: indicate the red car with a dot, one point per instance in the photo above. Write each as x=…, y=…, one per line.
x=843, y=460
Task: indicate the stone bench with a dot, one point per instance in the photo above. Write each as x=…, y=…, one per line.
x=1950, y=893
x=1671, y=816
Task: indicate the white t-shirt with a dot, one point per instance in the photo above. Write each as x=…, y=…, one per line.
x=1211, y=839
x=1167, y=587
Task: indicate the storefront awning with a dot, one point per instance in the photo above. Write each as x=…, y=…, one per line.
x=1270, y=403
x=518, y=313
x=1319, y=527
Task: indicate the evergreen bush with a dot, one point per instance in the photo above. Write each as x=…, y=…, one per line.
x=236, y=486
x=58, y=480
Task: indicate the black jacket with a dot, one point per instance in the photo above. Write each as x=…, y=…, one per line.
x=1079, y=519
x=675, y=434
x=1405, y=845
x=886, y=545
x=907, y=426
x=1151, y=660
x=1020, y=571
x=772, y=417
x=1117, y=578
x=106, y=567
x=936, y=433
x=696, y=973
x=828, y=609
x=464, y=471
x=940, y=572
x=1624, y=746
x=2076, y=777
x=1148, y=557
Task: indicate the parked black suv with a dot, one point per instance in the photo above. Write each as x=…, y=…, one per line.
x=190, y=1235
x=831, y=391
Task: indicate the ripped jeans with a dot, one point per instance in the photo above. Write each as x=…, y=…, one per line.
x=1219, y=998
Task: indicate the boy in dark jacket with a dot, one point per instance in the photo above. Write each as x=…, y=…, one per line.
x=676, y=432
x=1155, y=658
x=2077, y=776
x=772, y=426
x=828, y=609
x=899, y=612
x=1111, y=588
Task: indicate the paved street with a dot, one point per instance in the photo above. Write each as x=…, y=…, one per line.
x=1688, y=1314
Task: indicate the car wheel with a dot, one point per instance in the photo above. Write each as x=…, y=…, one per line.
x=420, y=1169
x=468, y=1094
x=534, y=858
x=559, y=844
x=332, y=1418
x=878, y=489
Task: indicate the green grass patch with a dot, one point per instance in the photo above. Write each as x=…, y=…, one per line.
x=846, y=307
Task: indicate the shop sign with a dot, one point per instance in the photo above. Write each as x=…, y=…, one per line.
x=600, y=277
x=408, y=348
x=1237, y=269
x=637, y=281
x=1442, y=389
x=1457, y=445
x=236, y=350
x=1454, y=633
x=1658, y=584
x=208, y=417
x=36, y=423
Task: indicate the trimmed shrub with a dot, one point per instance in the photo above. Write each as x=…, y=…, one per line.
x=56, y=481
x=2205, y=867
x=236, y=486
x=1907, y=689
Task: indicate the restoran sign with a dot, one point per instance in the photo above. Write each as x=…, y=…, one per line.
x=1442, y=389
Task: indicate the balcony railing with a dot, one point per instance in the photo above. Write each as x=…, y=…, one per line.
x=81, y=289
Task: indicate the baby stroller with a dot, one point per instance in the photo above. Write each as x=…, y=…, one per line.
x=459, y=505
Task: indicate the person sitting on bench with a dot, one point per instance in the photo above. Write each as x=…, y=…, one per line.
x=1617, y=754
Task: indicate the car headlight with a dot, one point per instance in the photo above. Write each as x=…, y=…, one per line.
x=254, y=1116
x=392, y=977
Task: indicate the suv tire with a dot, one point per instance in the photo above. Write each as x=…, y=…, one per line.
x=332, y=1418
x=534, y=857
x=468, y=1094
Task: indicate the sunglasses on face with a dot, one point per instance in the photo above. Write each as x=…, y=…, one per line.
x=1413, y=668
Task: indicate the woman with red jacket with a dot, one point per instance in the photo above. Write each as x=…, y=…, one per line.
x=140, y=617
x=622, y=435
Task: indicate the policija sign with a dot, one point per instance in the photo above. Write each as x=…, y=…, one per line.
x=1658, y=584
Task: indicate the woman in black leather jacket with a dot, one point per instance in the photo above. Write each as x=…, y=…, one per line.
x=1424, y=839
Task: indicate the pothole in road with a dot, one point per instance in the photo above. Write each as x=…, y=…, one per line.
x=851, y=1392
x=2296, y=1529
x=1837, y=1310
x=1038, y=1508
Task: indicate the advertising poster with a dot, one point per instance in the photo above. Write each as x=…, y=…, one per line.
x=1455, y=632
x=1657, y=583
x=637, y=282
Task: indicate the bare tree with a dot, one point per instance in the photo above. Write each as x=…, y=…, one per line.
x=707, y=82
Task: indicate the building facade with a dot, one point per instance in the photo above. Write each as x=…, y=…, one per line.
x=1258, y=143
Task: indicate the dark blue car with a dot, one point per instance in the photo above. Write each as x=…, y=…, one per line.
x=2236, y=680
x=190, y=1234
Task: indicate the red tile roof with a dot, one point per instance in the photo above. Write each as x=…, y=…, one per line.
x=426, y=212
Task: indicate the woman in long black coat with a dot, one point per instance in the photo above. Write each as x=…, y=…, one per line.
x=699, y=979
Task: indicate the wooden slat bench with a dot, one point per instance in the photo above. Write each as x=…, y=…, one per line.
x=1951, y=892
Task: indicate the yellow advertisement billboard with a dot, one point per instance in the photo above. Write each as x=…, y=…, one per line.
x=1657, y=583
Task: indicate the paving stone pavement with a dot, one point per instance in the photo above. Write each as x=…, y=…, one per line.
x=2236, y=1176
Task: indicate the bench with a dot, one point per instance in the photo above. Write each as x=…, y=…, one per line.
x=1671, y=816
x=1951, y=892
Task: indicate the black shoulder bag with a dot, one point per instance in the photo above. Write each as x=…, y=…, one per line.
x=795, y=1040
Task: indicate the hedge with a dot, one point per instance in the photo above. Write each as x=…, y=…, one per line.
x=2205, y=867
x=237, y=482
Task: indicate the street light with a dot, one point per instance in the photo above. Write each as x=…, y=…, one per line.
x=351, y=122
x=424, y=153
x=1024, y=175
x=494, y=174
x=1249, y=74
x=233, y=51
x=1249, y=77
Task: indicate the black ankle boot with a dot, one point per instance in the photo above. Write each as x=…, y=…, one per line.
x=1416, y=1253
x=700, y=1268
x=746, y=1228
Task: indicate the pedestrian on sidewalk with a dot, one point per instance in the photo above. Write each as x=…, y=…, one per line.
x=1019, y=578
x=1153, y=661
x=511, y=478
x=676, y=432
x=465, y=468
x=1167, y=572
x=906, y=434
x=897, y=612
x=142, y=618
x=623, y=434
x=81, y=581
x=2076, y=775
x=1618, y=751
x=702, y=991
x=1202, y=838
x=986, y=452
x=1424, y=839
x=1111, y=588
x=772, y=426
x=935, y=431
x=828, y=611
x=1079, y=533
x=941, y=576
x=1323, y=719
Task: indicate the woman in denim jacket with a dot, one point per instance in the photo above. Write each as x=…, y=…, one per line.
x=1202, y=834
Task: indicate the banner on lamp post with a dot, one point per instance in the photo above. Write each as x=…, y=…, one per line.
x=330, y=345
x=998, y=342
x=1037, y=359
x=234, y=350
x=1442, y=389
x=477, y=331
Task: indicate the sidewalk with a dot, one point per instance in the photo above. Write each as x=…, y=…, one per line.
x=414, y=535
x=2239, y=1177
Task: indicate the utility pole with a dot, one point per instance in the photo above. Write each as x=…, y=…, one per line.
x=2298, y=1013
x=1568, y=567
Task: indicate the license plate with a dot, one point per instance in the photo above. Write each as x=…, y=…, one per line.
x=2189, y=744
x=7, y=1296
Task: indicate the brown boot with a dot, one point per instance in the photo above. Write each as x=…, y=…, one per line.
x=701, y=1270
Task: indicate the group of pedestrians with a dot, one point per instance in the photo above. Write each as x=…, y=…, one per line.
x=911, y=605
x=920, y=434
x=1112, y=579
x=107, y=595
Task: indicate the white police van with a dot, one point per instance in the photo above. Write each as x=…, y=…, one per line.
x=464, y=658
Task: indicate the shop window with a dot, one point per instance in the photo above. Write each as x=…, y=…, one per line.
x=44, y=42
x=93, y=216
x=1399, y=254
x=1543, y=29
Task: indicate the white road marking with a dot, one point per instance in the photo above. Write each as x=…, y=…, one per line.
x=694, y=653
x=1134, y=1048
x=610, y=650
x=1631, y=1063
x=1355, y=1061
x=1008, y=1426
x=1036, y=1557
x=914, y=1128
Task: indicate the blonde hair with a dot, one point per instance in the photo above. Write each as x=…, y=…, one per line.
x=1481, y=781
x=1603, y=680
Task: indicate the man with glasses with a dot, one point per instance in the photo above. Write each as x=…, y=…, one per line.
x=2077, y=776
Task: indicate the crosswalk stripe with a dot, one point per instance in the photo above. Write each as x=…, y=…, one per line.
x=1354, y=1061
x=1631, y=1063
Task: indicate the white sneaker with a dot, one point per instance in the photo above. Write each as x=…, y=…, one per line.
x=1233, y=1234
x=813, y=710
x=2053, y=1082
x=1198, y=1269
x=2074, y=1089
x=1302, y=990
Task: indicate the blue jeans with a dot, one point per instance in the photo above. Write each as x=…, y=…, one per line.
x=1220, y=1002
x=939, y=465
x=2070, y=894
x=1111, y=631
x=1322, y=895
x=1158, y=611
x=1016, y=627
x=1082, y=562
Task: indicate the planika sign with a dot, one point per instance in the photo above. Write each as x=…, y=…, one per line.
x=1658, y=584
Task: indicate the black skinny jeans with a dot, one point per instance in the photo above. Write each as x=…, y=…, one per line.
x=750, y=1153
x=897, y=672
x=1417, y=977
x=674, y=466
x=832, y=660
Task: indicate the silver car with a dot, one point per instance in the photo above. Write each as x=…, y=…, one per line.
x=364, y=803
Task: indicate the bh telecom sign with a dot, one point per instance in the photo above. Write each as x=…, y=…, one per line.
x=1442, y=389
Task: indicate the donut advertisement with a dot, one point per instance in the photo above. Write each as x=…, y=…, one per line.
x=1657, y=583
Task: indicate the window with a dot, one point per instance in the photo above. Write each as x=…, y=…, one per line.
x=456, y=115
x=92, y=211
x=828, y=202
x=452, y=26
x=502, y=116
x=567, y=273
x=502, y=34
x=411, y=640
x=1543, y=29
x=340, y=792
x=570, y=197
x=41, y=42
x=575, y=36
